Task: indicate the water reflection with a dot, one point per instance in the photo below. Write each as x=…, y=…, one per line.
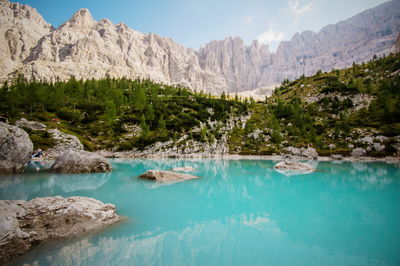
x=27, y=186
x=240, y=240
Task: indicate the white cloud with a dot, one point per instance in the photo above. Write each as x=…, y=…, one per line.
x=297, y=9
x=270, y=36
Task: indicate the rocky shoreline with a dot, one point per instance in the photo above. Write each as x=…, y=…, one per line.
x=127, y=155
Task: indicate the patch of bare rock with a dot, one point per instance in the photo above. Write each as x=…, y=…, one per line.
x=75, y=162
x=309, y=153
x=25, y=223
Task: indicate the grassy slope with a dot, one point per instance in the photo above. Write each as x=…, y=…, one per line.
x=328, y=111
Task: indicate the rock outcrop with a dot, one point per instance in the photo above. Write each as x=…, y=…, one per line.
x=15, y=149
x=33, y=125
x=357, y=39
x=358, y=152
x=166, y=176
x=241, y=66
x=25, y=223
x=63, y=142
x=76, y=162
x=85, y=48
x=309, y=153
x=21, y=27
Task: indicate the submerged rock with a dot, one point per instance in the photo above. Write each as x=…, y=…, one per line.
x=15, y=148
x=183, y=169
x=166, y=176
x=24, y=223
x=76, y=162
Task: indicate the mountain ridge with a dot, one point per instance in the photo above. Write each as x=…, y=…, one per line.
x=85, y=48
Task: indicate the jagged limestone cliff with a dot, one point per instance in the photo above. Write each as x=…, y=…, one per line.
x=85, y=48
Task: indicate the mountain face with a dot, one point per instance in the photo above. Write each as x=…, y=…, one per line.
x=358, y=39
x=85, y=48
x=20, y=27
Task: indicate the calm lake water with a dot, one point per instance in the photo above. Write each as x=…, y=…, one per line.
x=240, y=212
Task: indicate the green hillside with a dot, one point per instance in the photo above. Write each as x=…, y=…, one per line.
x=331, y=112
x=114, y=113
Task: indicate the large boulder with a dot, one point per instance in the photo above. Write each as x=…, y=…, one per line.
x=166, y=176
x=15, y=148
x=310, y=153
x=76, y=162
x=23, y=223
x=293, y=165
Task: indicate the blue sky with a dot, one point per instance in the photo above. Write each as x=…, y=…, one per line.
x=194, y=23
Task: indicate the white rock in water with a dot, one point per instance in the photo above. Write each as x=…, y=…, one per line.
x=293, y=165
x=166, y=176
x=23, y=223
x=75, y=162
x=289, y=168
x=183, y=169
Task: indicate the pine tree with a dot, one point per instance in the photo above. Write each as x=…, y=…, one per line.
x=110, y=113
x=145, y=127
x=139, y=99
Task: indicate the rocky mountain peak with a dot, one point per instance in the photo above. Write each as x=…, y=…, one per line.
x=82, y=18
x=85, y=48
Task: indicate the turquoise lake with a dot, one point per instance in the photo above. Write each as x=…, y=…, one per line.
x=240, y=212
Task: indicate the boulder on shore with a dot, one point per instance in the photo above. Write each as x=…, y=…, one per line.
x=15, y=149
x=289, y=168
x=24, y=223
x=166, y=176
x=358, y=152
x=63, y=142
x=183, y=169
x=75, y=162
